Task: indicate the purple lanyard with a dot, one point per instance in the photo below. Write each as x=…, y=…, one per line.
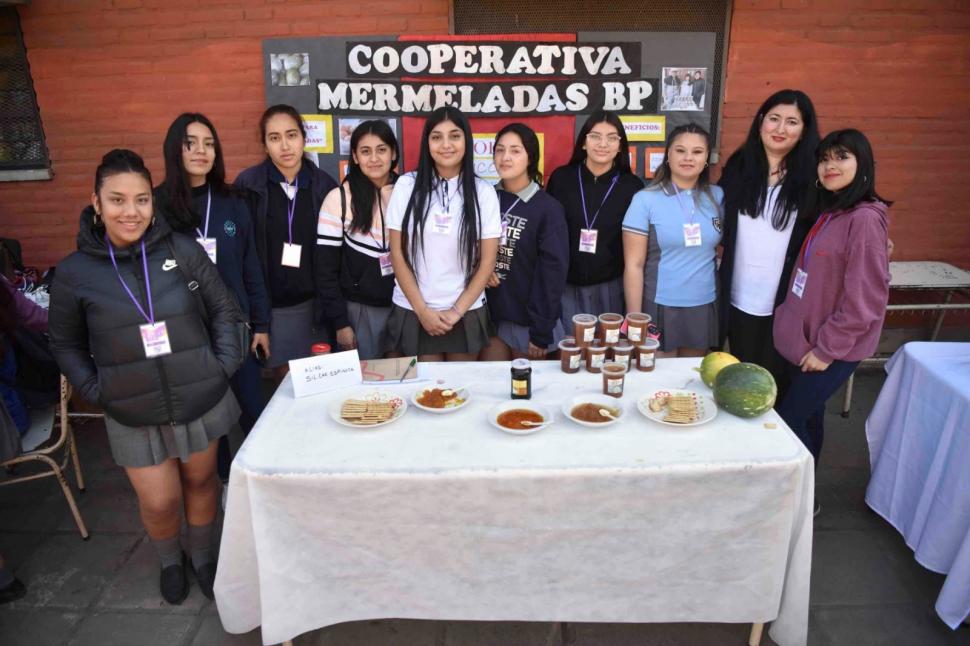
x=681, y=202
x=208, y=206
x=582, y=196
x=291, y=207
x=150, y=317
x=810, y=240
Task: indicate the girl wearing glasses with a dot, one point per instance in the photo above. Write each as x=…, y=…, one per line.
x=595, y=188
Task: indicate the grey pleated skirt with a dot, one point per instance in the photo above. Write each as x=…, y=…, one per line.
x=291, y=333
x=145, y=446
x=368, y=323
x=592, y=299
x=684, y=327
x=403, y=333
x=517, y=336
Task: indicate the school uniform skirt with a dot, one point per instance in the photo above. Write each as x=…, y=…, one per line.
x=404, y=333
x=684, y=327
x=291, y=333
x=368, y=323
x=592, y=299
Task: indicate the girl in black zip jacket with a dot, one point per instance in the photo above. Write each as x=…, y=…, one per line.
x=129, y=334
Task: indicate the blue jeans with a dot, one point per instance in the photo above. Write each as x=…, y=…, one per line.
x=246, y=385
x=803, y=407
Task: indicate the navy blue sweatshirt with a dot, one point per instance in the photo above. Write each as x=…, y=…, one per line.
x=607, y=263
x=532, y=263
x=232, y=227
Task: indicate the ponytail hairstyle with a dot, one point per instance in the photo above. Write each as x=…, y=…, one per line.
x=863, y=185
x=622, y=159
x=116, y=162
x=663, y=179
x=427, y=180
x=363, y=192
x=280, y=108
x=174, y=192
x=750, y=181
x=531, y=144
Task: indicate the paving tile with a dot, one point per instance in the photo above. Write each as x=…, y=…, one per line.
x=507, y=633
x=841, y=492
x=211, y=633
x=135, y=586
x=378, y=632
x=128, y=629
x=70, y=573
x=677, y=634
x=903, y=625
x=34, y=506
x=108, y=505
x=36, y=627
x=17, y=548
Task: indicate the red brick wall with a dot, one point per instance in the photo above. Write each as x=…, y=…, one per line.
x=115, y=72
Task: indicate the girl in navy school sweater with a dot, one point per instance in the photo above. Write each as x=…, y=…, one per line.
x=196, y=201
x=525, y=290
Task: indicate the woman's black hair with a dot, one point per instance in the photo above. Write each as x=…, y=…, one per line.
x=118, y=161
x=862, y=188
x=750, y=181
x=622, y=159
x=662, y=179
x=531, y=144
x=280, y=108
x=175, y=193
x=363, y=192
x=427, y=180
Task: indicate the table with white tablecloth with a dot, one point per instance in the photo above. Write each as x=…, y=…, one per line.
x=446, y=517
x=919, y=446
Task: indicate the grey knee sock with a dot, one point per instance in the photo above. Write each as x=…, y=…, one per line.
x=200, y=544
x=169, y=550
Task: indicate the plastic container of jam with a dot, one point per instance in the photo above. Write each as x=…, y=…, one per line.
x=610, y=325
x=521, y=379
x=595, y=356
x=584, y=328
x=614, y=376
x=570, y=355
x=622, y=353
x=646, y=358
x=636, y=326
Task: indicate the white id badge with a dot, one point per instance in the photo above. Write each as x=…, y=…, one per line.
x=504, y=238
x=291, y=255
x=692, y=235
x=387, y=269
x=587, y=240
x=441, y=223
x=798, y=287
x=154, y=338
x=209, y=244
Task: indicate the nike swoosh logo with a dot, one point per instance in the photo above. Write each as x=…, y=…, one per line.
x=169, y=265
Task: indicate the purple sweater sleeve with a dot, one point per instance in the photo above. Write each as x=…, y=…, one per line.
x=865, y=288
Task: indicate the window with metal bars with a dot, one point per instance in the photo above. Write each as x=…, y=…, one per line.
x=571, y=16
x=23, y=151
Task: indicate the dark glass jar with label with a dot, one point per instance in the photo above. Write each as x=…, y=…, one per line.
x=521, y=379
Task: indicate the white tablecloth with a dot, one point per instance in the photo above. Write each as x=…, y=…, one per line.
x=446, y=517
x=919, y=446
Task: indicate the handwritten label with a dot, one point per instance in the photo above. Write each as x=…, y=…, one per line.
x=324, y=373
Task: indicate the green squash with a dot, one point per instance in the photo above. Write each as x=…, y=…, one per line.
x=745, y=389
x=712, y=364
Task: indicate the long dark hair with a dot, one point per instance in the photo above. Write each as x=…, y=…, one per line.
x=280, y=108
x=427, y=180
x=622, y=159
x=530, y=142
x=750, y=179
x=174, y=193
x=863, y=185
x=363, y=192
x=663, y=179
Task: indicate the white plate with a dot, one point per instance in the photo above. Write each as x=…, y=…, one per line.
x=519, y=403
x=604, y=401
x=372, y=395
x=705, y=406
x=463, y=393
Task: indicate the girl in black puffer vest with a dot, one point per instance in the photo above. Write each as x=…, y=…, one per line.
x=129, y=334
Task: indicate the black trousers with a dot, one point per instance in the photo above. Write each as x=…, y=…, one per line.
x=751, y=340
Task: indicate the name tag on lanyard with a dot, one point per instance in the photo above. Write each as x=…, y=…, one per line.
x=291, y=255
x=154, y=338
x=692, y=234
x=798, y=285
x=209, y=244
x=441, y=223
x=504, y=238
x=387, y=269
x=587, y=240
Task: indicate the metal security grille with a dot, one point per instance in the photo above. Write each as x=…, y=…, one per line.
x=566, y=16
x=22, y=145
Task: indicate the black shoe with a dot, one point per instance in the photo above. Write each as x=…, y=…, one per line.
x=206, y=576
x=173, y=583
x=12, y=592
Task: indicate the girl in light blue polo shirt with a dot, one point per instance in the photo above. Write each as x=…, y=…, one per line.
x=670, y=233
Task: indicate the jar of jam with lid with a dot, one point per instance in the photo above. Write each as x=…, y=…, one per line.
x=521, y=379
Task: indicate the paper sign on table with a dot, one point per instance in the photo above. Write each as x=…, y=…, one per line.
x=325, y=372
x=389, y=369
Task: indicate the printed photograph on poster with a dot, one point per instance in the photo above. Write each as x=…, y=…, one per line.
x=633, y=159
x=346, y=125
x=652, y=158
x=484, y=155
x=319, y=133
x=684, y=89
x=644, y=127
x=289, y=69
